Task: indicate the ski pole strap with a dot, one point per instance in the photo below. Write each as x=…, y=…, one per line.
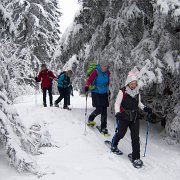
x=147, y=131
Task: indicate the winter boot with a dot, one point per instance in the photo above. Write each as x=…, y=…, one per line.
x=115, y=150
x=66, y=107
x=103, y=131
x=55, y=104
x=137, y=163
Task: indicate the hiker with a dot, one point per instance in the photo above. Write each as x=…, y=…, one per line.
x=99, y=78
x=63, y=88
x=127, y=115
x=46, y=77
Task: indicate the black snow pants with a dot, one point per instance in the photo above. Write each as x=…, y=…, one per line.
x=49, y=89
x=121, y=130
x=103, y=112
x=63, y=95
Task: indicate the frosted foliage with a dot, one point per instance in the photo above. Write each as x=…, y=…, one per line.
x=174, y=125
x=28, y=36
x=71, y=64
x=20, y=143
x=142, y=34
x=131, y=11
x=169, y=5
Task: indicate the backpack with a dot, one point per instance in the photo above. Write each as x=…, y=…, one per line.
x=66, y=81
x=90, y=69
x=61, y=74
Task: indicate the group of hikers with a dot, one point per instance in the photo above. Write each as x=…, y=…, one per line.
x=127, y=104
x=64, y=86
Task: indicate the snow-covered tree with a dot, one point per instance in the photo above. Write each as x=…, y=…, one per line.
x=131, y=33
x=29, y=33
x=32, y=30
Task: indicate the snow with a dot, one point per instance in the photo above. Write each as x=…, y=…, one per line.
x=71, y=63
x=7, y=16
x=72, y=29
x=131, y=11
x=86, y=157
x=42, y=11
x=168, y=58
x=166, y=5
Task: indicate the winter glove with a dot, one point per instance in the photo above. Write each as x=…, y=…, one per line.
x=117, y=115
x=36, y=79
x=86, y=89
x=148, y=110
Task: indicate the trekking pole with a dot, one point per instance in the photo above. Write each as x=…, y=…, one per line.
x=36, y=94
x=86, y=113
x=147, y=131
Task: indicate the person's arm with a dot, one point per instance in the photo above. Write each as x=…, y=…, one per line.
x=143, y=107
x=52, y=75
x=140, y=105
x=109, y=77
x=118, y=102
x=39, y=76
x=91, y=78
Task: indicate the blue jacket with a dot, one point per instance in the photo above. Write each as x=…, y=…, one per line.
x=63, y=80
x=101, y=81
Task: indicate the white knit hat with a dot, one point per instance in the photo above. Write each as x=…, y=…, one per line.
x=103, y=62
x=131, y=77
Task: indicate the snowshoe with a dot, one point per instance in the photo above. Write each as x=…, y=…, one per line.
x=91, y=123
x=67, y=108
x=103, y=131
x=137, y=163
x=115, y=150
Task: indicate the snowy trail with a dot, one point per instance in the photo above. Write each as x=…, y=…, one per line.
x=86, y=157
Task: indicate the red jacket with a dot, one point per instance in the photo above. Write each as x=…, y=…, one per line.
x=46, y=77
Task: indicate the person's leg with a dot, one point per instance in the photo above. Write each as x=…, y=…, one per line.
x=68, y=100
x=121, y=130
x=68, y=96
x=66, y=93
x=58, y=100
x=44, y=96
x=134, y=128
x=95, y=113
x=50, y=95
x=104, y=118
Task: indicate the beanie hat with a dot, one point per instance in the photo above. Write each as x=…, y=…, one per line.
x=103, y=62
x=131, y=77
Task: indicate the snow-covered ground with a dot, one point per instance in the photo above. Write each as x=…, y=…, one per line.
x=86, y=157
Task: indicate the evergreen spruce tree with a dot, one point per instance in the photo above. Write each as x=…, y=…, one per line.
x=29, y=33
x=132, y=33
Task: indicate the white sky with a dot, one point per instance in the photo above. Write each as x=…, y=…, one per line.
x=68, y=8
